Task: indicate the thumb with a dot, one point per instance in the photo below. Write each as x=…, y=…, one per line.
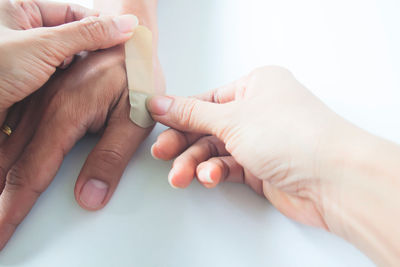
x=89, y=34
x=189, y=114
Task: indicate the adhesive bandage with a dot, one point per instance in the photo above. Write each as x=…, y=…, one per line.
x=140, y=74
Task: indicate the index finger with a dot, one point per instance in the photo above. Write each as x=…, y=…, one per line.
x=54, y=14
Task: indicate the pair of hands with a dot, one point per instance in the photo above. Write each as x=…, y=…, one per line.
x=89, y=96
x=265, y=130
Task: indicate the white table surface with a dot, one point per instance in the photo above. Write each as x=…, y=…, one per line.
x=345, y=51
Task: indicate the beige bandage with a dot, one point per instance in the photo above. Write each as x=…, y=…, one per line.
x=139, y=70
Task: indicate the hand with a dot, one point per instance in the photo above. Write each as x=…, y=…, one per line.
x=90, y=96
x=265, y=130
x=32, y=45
x=268, y=131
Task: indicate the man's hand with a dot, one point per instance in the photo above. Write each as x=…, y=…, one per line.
x=90, y=96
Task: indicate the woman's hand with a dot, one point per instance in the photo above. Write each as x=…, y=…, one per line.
x=38, y=36
x=268, y=131
x=265, y=130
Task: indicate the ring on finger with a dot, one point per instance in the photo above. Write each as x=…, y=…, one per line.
x=6, y=129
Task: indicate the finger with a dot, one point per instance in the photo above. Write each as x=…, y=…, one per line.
x=30, y=111
x=190, y=114
x=226, y=169
x=89, y=34
x=106, y=163
x=34, y=170
x=171, y=143
x=54, y=13
x=184, y=166
x=219, y=169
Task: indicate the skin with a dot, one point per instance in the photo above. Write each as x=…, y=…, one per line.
x=268, y=131
x=63, y=30
x=90, y=96
x=312, y=165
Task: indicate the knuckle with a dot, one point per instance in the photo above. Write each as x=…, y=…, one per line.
x=211, y=146
x=17, y=180
x=187, y=112
x=29, y=7
x=64, y=112
x=93, y=29
x=109, y=157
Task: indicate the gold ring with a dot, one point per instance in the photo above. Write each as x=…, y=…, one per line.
x=6, y=130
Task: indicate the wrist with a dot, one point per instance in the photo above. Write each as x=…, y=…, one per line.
x=361, y=192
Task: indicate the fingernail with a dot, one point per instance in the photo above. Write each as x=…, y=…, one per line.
x=205, y=176
x=170, y=176
x=93, y=193
x=126, y=23
x=159, y=105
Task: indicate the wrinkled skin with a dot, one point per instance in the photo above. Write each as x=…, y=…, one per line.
x=36, y=37
x=90, y=96
x=265, y=130
x=270, y=132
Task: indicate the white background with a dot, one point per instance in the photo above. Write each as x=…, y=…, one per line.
x=345, y=51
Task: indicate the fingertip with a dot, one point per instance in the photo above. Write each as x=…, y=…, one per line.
x=205, y=175
x=93, y=194
x=159, y=105
x=126, y=23
x=171, y=176
x=158, y=152
x=154, y=151
x=209, y=174
x=167, y=146
x=180, y=177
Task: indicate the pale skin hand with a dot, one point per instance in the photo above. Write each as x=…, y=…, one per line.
x=90, y=96
x=268, y=131
x=38, y=36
